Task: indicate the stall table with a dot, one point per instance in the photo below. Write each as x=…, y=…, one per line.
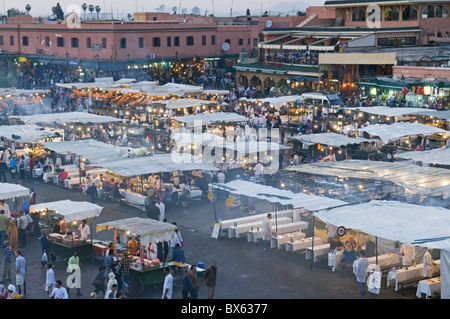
x=316, y=251
x=429, y=287
x=253, y=235
x=303, y=243
x=281, y=239
x=384, y=261
x=403, y=274
x=65, y=249
x=225, y=224
x=235, y=231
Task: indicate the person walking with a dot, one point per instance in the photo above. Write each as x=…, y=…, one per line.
x=7, y=261
x=100, y=281
x=168, y=284
x=267, y=230
x=22, y=225
x=73, y=264
x=361, y=271
x=50, y=279
x=59, y=292
x=13, y=235
x=210, y=277
x=187, y=288
x=44, y=246
x=195, y=283
x=21, y=268
x=124, y=266
x=4, y=224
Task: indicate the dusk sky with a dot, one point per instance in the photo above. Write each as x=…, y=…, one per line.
x=220, y=7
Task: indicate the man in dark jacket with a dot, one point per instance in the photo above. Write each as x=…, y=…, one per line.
x=210, y=280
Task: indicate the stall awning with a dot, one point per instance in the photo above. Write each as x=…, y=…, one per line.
x=183, y=103
x=196, y=138
x=392, y=132
x=252, y=147
x=386, y=58
x=428, y=181
x=279, y=101
x=281, y=196
x=301, y=78
x=8, y=191
x=26, y=133
x=149, y=230
x=389, y=111
x=208, y=118
x=397, y=221
x=331, y=139
x=69, y=117
x=69, y=210
x=440, y=156
x=93, y=150
x=158, y=163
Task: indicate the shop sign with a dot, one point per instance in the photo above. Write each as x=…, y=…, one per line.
x=22, y=59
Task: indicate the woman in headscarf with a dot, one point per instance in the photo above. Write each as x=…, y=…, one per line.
x=112, y=280
x=13, y=235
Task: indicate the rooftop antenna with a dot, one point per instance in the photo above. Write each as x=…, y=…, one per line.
x=213, y=6
x=231, y=9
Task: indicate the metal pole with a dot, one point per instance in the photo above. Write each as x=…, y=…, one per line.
x=376, y=250
x=312, y=244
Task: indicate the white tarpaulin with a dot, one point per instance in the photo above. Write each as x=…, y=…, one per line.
x=196, y=138
x=275, y=195
x=440, y=156
x=69, y=210
x=441, y=115
x=183, y=103
x=331, y=139
x=93, y=150
x=158, y=163
x=149, y=230
x=208, y=118
x=278, y=102
x=413, y=225
x=388, y=111
x=251, y=147
x=417, y=179
x=8, y=191
x=391, y=132
x=69, y=117
x=26, y=133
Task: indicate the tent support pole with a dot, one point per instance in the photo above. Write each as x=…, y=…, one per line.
x=376, y=249
x=312, y=242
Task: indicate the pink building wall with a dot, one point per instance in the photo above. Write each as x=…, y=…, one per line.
x=421, y=72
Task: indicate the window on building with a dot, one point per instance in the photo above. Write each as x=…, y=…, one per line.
x=75, y=43
x=391, y=14
x=156, y=42
x=213, y=40
x=248, y=41
x=104, y=43
x=435, y=11
x=176, y=41
x=88, y=43
x=203, y=39
x=25, y=41
x=241, y=41
x=359, y=14
x=1, y=40
x=60, y=42
x=169, y=41
x=409, y=13
x=189, y=40
x=11, y=40
x=228, y=41
x=141, y=42
x=123, y=43
x=47, y=42
x=255, y=42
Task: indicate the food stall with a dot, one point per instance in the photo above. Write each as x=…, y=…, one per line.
x=143, y=272
x=17, y=193
x=62, y=245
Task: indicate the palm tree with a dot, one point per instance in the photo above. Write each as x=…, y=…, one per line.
x=28, y=8
x=91, y=9
x=84, y=6
x=97, y=9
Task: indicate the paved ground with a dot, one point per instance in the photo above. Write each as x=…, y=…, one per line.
x=245, y=270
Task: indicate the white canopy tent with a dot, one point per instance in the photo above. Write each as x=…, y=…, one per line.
x=251, y=147
x=183, y=103
x=428, y=181
x=69, y=117
x=196, y=138
x=148, y=229
x=281, y=196
x=440, y=156
x=158, y=163
x=410, y=224
x=277, y=102
x=8, y=191
x=18, y=92
x=331, y=139
x=26, y=133
x=391, y=132
x=209, y=118
x=388, y=111
x=70, y=210
x=93, y=150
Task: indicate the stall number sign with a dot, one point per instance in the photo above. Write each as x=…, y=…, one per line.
x=341, y=231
